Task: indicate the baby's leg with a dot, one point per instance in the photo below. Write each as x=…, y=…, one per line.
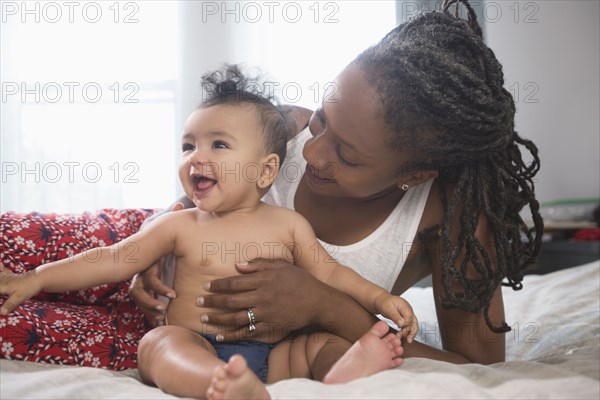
x=329, y=358
x=236, y=381
x=375, y=351
x=321, y=356
x=177, y=360
x=287, y=360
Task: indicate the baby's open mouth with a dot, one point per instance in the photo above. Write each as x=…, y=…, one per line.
x=202, y=183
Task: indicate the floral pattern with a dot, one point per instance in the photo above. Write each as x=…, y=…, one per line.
x=97, y=327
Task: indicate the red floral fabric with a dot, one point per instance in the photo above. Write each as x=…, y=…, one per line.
x=97, y=327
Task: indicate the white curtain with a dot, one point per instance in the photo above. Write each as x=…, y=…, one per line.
x=94, y=94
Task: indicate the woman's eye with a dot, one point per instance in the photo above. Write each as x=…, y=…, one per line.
x=220, y=145
x=187, y=147
x=343, y=159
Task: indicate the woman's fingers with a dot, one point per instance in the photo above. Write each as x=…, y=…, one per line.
x=263, y=332
x=138, y=292
x=154, y=283
x=258, y=264
x=235, y=301
x=232, y=321
x=236, y=326
x=238, y=283
x=281, y=296
x=152, y=308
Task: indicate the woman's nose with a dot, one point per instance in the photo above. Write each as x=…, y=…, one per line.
x=316, y=150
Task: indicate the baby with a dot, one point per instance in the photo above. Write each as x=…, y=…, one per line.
x=232, y=147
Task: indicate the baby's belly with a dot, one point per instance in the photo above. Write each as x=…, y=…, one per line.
x=183, y=311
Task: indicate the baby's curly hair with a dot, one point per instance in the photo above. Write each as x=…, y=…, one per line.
x=442, y=91
x=229, y=86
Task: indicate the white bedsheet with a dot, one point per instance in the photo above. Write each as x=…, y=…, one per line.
x=553, y=352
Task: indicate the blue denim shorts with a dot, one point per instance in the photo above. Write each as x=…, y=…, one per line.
x=255, y=353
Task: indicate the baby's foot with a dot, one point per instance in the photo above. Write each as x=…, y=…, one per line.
x=235, y=380
x=375, y=351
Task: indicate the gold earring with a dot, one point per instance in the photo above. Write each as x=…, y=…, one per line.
x=261, y=182
x=404, y=187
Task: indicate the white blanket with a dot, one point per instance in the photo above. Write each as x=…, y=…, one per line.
x=552, y=352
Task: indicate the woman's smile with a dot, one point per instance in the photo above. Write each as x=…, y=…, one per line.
x=318, y=176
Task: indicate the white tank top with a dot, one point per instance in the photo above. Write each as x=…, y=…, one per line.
x=380, y=256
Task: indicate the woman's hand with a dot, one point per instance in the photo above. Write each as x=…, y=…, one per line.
x=283, y=298
x=143, y=289
x=148, y=284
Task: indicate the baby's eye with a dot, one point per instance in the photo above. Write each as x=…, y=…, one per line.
x=187, y=147
x=218, y=144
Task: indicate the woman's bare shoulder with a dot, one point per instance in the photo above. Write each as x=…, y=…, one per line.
x=297, y=118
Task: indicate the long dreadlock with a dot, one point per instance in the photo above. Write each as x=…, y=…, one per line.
x=442, y=91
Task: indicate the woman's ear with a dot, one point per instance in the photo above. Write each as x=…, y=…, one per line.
x=269, y=169
x=416, y=177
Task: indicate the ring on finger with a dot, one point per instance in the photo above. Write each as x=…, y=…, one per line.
x=251, y=320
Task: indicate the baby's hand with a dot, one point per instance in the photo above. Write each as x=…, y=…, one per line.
x=18, y=288
x=398, y=310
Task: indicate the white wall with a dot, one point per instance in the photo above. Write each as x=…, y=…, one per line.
x=550, y=52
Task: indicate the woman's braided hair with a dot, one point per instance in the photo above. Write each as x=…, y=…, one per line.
x=442, y=91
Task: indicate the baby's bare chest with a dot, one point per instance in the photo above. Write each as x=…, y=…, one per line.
x=223, y=245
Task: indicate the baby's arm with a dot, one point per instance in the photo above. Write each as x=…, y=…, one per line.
x=310, y=255
x=93, y=267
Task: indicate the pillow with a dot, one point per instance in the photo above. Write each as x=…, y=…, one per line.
x=97, y=327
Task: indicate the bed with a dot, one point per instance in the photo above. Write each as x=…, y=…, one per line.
x=553, y=351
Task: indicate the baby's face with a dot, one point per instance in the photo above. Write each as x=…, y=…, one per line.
x=221, y=159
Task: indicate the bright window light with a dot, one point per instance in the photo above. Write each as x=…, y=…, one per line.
x=94, y=93
x=88, y=105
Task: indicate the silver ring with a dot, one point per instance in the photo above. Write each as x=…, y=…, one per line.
x=251, y=320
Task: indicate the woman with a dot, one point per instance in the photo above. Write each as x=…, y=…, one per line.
x=414, y=169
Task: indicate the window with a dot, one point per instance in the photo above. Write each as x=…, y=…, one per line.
x=308, y=42
x=88, y=105
x=95, y=93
